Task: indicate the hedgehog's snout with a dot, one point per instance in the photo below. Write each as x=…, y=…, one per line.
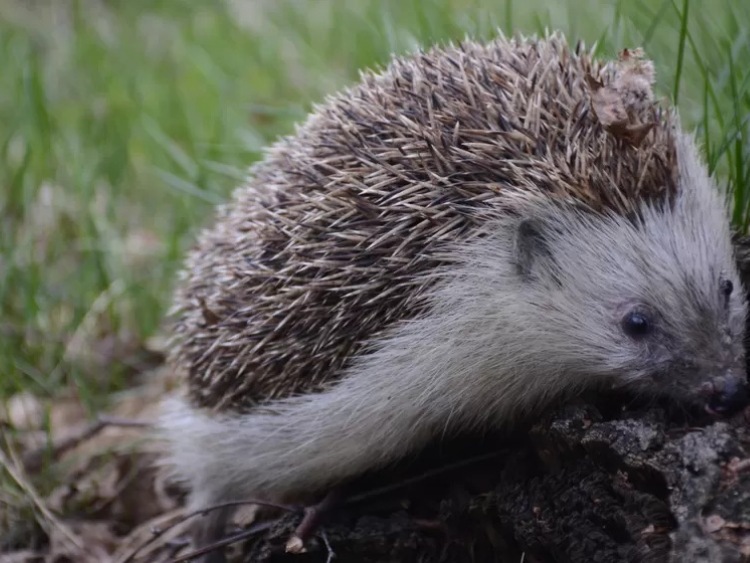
x=726, y=395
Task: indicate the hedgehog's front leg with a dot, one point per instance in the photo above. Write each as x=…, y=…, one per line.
x=389, y=403
x=296, y=447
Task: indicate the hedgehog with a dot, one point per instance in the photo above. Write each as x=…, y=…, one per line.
x=452, y=244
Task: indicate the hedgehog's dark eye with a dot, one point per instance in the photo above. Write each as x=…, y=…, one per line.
x=726, y=287
x=636, y=324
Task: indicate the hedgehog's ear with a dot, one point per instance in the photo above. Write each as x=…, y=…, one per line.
x=531, y=249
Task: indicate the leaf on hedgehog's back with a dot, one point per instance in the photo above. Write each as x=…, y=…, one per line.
x=607, y=103
x=634, y=80
x=632, y=134
x=620, y=104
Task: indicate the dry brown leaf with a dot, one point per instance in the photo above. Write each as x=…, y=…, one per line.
x=109, y=479
x=97, y=537
x=138, y=404
x=117, y=493
x=142, y=544
x=245, y=515
x=139, y=492
x=607, y=104
x=627, y=94
x=632, y=134
x=635, y=79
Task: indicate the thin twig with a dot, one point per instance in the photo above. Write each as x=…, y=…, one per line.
x=331, y=553
x=225, y=542
x=153, y=528
x=161, y=531
x=33, y=460
x=311, y=521
x=13, y=466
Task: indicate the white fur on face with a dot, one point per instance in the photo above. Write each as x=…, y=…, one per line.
x=670, y=262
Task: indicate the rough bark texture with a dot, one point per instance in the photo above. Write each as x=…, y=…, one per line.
x=585, y=484
x=584, y=488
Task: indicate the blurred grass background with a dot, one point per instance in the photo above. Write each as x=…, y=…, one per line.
x=123, y=122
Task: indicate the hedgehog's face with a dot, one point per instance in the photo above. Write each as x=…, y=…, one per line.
x=654, y=305
x=688, y=348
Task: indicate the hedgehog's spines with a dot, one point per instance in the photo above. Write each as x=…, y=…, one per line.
x=375, y=185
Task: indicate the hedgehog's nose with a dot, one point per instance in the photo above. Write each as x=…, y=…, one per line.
x=727, y=395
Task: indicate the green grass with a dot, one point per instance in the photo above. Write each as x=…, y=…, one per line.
x=122, y=123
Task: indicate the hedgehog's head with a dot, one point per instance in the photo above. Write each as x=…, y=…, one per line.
x=655, y=303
